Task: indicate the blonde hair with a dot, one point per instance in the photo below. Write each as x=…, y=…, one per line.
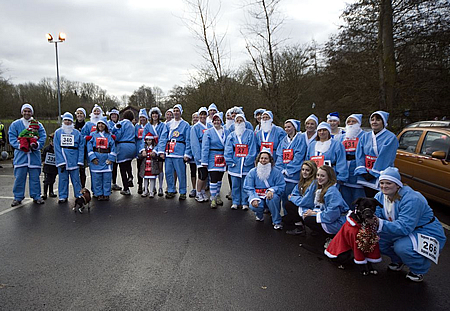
x=304, y=183
x=331, y=181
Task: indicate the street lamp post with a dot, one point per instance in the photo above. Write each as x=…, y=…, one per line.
x=61, y=38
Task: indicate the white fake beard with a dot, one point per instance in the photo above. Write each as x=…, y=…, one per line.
x=67, y=129
x=263, y=170
x=266, y=126
x=351, y=131
x=239, y=129
x=228, y=123
x=95, y=118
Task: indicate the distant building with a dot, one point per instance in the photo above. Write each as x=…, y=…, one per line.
x=134, y=109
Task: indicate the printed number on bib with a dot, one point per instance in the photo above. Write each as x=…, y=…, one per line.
x=241, y=150
x=288, y=155
x=268, y=145
x=171, y=146
x=428, y=246
x=350, y=144
x=101, y=142
x=50, y=159
x=140, y=132
x=261, y=193
x=319, y=160
x=148, y=165
x=370, y=161
x=67, y=140
x=219, y=160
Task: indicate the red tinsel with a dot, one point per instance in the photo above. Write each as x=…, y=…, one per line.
x=367, y=237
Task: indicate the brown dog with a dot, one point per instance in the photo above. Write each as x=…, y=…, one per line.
x=82, y=201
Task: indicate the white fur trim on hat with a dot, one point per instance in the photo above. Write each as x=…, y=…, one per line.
x=27, y=106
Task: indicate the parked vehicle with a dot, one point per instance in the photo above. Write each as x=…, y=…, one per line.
x=423, y=158
x=441, y=123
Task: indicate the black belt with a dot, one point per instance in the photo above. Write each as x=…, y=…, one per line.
x=181, y=142
x=102, y=150
x=420, y=227
x=350, y=157
x=216, y=149
x=69, y=147
x=125, y=142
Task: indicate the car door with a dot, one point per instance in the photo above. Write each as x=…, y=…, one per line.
x=407, y=153
x=434, y=174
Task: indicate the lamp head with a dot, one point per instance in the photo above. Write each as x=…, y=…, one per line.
x=49, y=37
x=62, y=36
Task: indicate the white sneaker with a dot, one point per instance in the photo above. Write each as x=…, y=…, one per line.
x=259, y=219
x=278, y=226
x=234, y=206
x=199, y=198
x=205, y=197
x=244, y=207
x=144, y=194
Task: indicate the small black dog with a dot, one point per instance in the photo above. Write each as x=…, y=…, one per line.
x=357, y=238
x=80, y=202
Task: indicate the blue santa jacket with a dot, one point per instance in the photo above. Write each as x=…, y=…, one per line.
x=30, y=159
x=213, y=145
x=412, y=215
x=302, y=201
x=88, y=128
x=384, y=150
x=335, y=154
x=197, y=131
x=101, y=167
x=156, y=131
x=139, y=136
x=111, y=124
x=181, y=135
x=125, y=141
x=274, y=183
x=351, y=164
x=248, y=126
x=240, y=166
x=275, y=135
x=291, y=170
x=71, y=156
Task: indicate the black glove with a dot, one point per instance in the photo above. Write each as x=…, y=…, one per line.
x=63, y=168
x=118, y=125
x=33, y=146
x=368, y=177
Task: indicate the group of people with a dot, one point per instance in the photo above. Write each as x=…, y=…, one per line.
x=303, y=179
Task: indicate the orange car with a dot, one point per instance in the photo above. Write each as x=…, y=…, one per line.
x=424, y=161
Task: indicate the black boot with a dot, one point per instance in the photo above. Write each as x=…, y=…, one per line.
x=140, y=189
x=44, y=196
x=51, y=193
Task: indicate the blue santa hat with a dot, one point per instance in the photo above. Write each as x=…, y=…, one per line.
x=356, y=116
x=155, y=109
x=269, y=113
x=240, y=115
x=179, y=107
x=218, y=115
x=295, y=123
x=103, y=120
x=324, y=125
x=143, y=113
x=228, y=113
x=312, y=117
x=265, y=150
x=258, y=111
x=82, y=110
x=333, y=116
x=27, y=105
x=203, y=109
x=391, y=174
x=384, y=116
x=67, y=116
x=237, y=110
x=213, y=107
x=97, y=107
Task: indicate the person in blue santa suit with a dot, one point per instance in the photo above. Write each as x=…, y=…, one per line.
x=290, y=156
x=270, y=135
x=177, y=151
x=257, y=115
x=376, y=151
x=90, y=126
x=80, y=121
x=197, y=131
x=212, y=110
x=69, y=152
x=234, y=112
x=333, y=120
x=102, y=154
x=327, y=151
x=126, y=149
x=324, y=209
x=310, y=133
x=26, y=162
x=158, y=129
x=409, y=232
x=240, y=155
x=113, y=119
x=213, y=148
x=264, y=185
x=350, y=190
x=139, y=135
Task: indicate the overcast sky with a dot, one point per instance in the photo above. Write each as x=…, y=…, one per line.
x=123, y=44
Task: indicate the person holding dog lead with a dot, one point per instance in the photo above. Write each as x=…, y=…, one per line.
x=69, y=152
x=409, y=232
x=102, y=154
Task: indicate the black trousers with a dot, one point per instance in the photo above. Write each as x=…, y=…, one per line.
x=114, y=173
x=312, y=224
x=138, y=166
x=125, y=173
x=83, y=176
x=370, y=193
x=292, y=216
x=193, y=169
x=215, y=176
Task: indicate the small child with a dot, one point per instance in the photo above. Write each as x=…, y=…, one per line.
x=50, y=169
x=150, y=167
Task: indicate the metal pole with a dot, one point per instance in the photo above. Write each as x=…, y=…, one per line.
x=57, y=79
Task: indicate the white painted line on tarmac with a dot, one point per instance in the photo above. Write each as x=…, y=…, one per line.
x=445, y=226
x=15, y=207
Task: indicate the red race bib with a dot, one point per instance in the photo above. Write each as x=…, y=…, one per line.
x=288, y=155
x=219, y=160
x=140, y=132
x=148, y=165
x=101, y=142
x=261, y=193
x=241, y=150
x=350, y=144
x=93, y=128
x=268, y=145
x=370, y=161
x=320, y=160
x=171, y=146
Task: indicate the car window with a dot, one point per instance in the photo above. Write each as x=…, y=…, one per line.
x=435, y=141
x=408, y=141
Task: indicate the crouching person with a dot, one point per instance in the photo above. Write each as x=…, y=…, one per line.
x=264, y=185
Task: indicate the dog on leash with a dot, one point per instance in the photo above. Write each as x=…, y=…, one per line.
x=358, y=237
x=82, y=201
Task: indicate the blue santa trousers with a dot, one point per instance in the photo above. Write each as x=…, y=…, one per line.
x=240, y=196
x=101, y=183
x=177, y=165
x=63, y=183
x=274, y=207
x=20, y=179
